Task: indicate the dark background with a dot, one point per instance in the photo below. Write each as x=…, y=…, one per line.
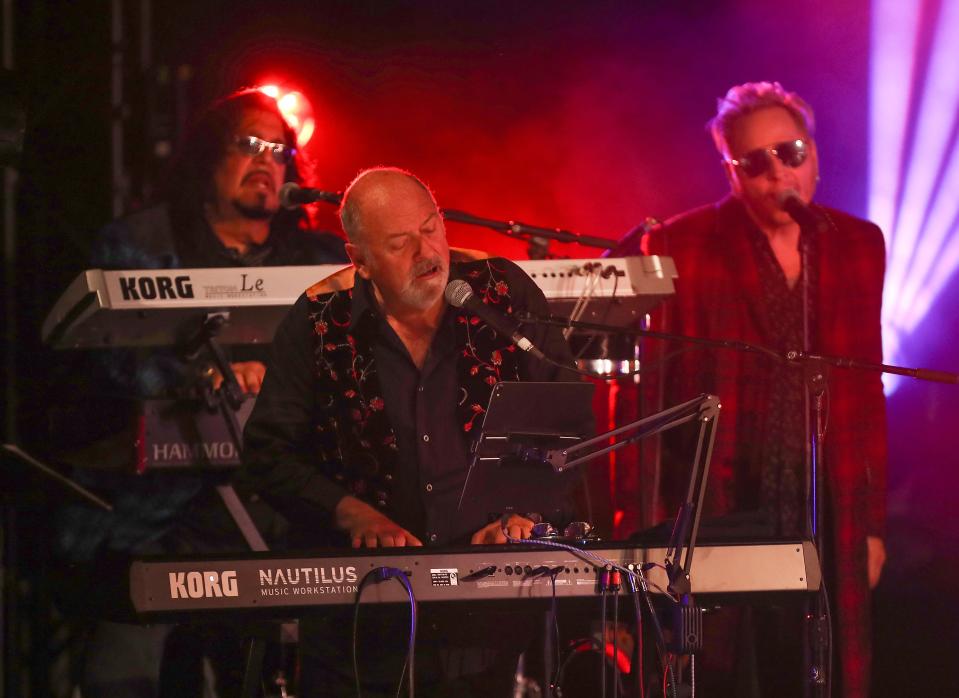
x=586, y=116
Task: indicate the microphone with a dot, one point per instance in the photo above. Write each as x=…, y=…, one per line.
x=460, y=294
x=809, y=219
x=293, y=195
x=630, y=243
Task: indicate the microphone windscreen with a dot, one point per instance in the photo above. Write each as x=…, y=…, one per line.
x=287, y=195
x=806, y=216
x=457, y=292
x=789, y=197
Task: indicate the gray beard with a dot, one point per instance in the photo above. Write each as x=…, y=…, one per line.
x=422, y=297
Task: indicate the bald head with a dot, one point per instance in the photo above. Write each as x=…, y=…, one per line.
x=397, y=239
x=377, y=193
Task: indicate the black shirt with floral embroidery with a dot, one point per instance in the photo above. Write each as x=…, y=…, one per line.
x=344, y=410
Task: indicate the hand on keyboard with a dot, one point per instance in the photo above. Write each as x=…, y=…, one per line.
x=369, y=528
x=495, y=533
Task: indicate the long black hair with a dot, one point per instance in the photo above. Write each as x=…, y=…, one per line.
x=190, y=180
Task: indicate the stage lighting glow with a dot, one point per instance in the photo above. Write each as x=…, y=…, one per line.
x=296, y=109
x=914, y=166
x=270, y=90
x=894, y=29
x=299, y=113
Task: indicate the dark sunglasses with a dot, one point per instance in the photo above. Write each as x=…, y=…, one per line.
x=252, y=146
x=756, y=162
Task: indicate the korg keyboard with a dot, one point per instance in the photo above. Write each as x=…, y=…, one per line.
x=481, y=573
x=156, y=307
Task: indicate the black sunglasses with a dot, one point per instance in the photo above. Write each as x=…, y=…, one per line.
x=756, y=162
x=252, y=146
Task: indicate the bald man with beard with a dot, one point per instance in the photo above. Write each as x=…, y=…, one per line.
x=363, y=429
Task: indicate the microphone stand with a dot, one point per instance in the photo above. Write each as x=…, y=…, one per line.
x=817, y=649
x=687, y=618
x=536, y=236
x=792, y=356
x=817, y=652
x=523, y=231
x=228, y=398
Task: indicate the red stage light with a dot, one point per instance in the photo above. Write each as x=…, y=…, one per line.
x=296, y=109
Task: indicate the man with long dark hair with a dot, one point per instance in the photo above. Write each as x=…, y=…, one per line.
x=221, y=208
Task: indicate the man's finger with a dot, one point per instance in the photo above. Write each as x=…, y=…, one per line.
x=370, y=539
x=388, y=540
x=404, y=538
x=487, y=535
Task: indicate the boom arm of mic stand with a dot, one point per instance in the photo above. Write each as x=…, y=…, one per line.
x=704, y=409
x=509, y=228
x=734, y=344
x=516, y=229
x=563, y=459
x=924, y=374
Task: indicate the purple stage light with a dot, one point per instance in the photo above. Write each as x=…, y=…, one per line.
x=894, y=31
x=938, y=255
x=936, y=114
x=914, y=183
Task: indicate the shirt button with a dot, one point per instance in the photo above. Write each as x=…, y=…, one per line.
x=420, y=389
x=426, y=437
x=432, y=538
x=429, y=486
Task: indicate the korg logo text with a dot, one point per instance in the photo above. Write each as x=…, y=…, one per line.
x=198, y=585
x=149, y=288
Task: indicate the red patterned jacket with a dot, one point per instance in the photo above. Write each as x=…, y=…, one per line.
x=719, y=296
